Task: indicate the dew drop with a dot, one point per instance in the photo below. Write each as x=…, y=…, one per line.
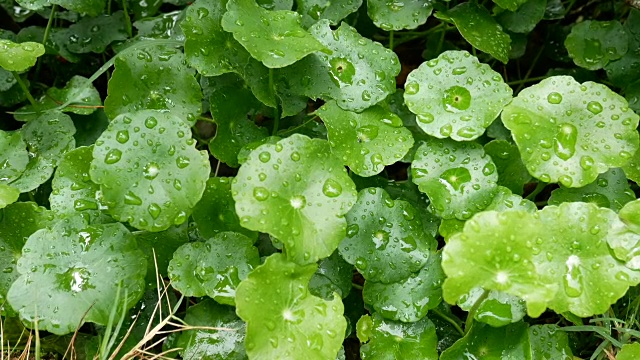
x=113, y=156
x=331, y=188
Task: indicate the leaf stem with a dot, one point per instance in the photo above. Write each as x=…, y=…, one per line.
x=276, y=111
x=391, y=40
x=527, y=80
x=474, y=310
x=448, y=319
x=539, y=187
x=356, y=286
x=290, y=130
x=533, y=64
x=24, y=88
x=52, y=15
x=126, y=16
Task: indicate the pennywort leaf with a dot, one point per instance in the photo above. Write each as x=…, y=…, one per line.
x=19, y=57
x=592, y=44
x=334, y=11
x=398, y=15
x=387, y=339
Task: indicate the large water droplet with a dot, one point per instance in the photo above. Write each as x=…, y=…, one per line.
x=260, y=193
x=151, y=171
x=564, y=143
x=132, y=199
x=113, y=156
x=554, y=98
x=367, y=133
x=331, y=188
x=154, y=210
x=594, y=107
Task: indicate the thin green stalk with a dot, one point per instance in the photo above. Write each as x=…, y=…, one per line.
x=474, y=310
x=52, y=15
x=276, y=111
x=448, y=319
x=356, y=286
x=391, y=40
x=127, y=18
x=290, y=130
x=539, y=187
x=24, y=88
x=38, y=349
x=533, y=64
x=527, y=80
x=109, y=7
x=217, y=169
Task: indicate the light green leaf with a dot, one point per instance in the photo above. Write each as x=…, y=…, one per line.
x=385, y=238
x=398, y=15
x=632, y=168
x=365, y=141
x=277, y=40
x=90, y=7
x=150, y=173
x=489, y=343
x=610, y=190
x=626, y=70
x=33, y=4
x=410, y=299
x=511, y=5
x=497, y=309
x=480, y=29
x=94, y=34
x=163, y=26
x=511, y=171
x=215, y=212
x=154, y=78
x=17, y=222
x=592, y=44
x=8, y=195
x=283, y=319
x=525, y=18
x=459, y=178
x=358, y=73
x=48, y=137
x=14, y=156
x=549, y=342
x=297, y=192
x=455, y=96
x=569, y=132
x=215, y=267
x=629, y=351
x=212, y=344
x=77, y=281
x=630, y=215
x=334, y=275
x=387, y=339
x=86, y=99
x=19, y=57
x=332, y=10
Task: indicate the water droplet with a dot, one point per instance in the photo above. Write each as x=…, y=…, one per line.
x=150, y=122
x=564, y=143
x=594, y=107
x=154, y=210
x=264, y=156
x=411, y=88
x=182, y=162
x=260, y=193
x=554, y=98
x=122, y=136
x=367, y=133
x=151, y=171
x=331, y=188
x=132, y=199
x=425, y=118
x=586, y=162
x=113, y=156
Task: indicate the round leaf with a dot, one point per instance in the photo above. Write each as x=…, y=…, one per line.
x=94, y=34
x=511, y=5
x=385, y=238
x=486, y=342
x=480, y=29
x=76, y=281
x=19, y=57
x=630, y=215
x=410, y=299
x=157, y=78
x=632, y=168
x=398, y=15
x=455, y=96
x=298, y=192
x=215, y=212
x=592, y=44
x=549, y=342
x=497, y=309
x=14, y=156
x=511, y=171
x=610, y=190
x=386, y=339
x=212, y=344
x=334, y=275
x=8, y=195
x=283, y=319
x=358, y=72
x=215, y=267
x=525, y=18
x=90, y=7
x=569, y=132
x=626, y=70
x=158, y=248
x=365, y=141
x=629, y=351
x=277, y=40
x=150, y=173
x=459, y=178
x=332, y=10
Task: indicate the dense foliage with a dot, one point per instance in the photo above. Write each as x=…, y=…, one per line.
x=270, y=179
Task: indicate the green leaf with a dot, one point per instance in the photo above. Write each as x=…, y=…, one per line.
x=17, y=222
x=158, y=248
x=332, y=10
x=497, y=309
x=154, y=78
x=385, y=238
x=19, y=57
x=548, y=342
x=407, y=190
x=626, y=70
x=459, y=178
x=86, y=99
x=77, y=281
x=512, y=173
x=215, y=267
x=486, y=342
x=212, y=344
x=456, y=96
x=610, y=190
x=7, y=80
x=365, y=141
x=398, y=15
x=629, y=351
x=569, y=132
x=334, y=275
x=164, y=26
x=297, y=192
x=48, y=137
x=14, y=156
x=632, y=168
x=33, y=4
x=624, y=240
x=511, y=5
x=387, y=339
x=525, y=18
x=592, y=44
x=95, y=34
x=358, y=73
x=73, y=191
x=480, y=29
x=277, y=40
x=410, y=299
x=8, y=195
x=215, y=212
x=283, y=319
x=90, y=7
x=150, y=173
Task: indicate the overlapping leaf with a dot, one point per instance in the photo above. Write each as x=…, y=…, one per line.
x=511, y=171
x=19, y=57
x=334, y=275
x=593, y=44
x=610, y=190
x=399, y=15
x=14, y=156
x=334, y=11
x=497, y=309
x=387, y=339
x=626, y=70
x=525, y=18
x=486, y=342
x=569, y=132
x=94, y=34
